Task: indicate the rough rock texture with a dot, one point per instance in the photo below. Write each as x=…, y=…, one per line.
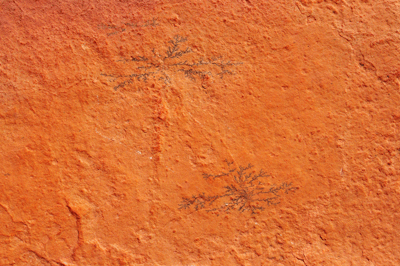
x=193, y=132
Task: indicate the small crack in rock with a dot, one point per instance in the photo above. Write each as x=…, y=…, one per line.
x=79, y=231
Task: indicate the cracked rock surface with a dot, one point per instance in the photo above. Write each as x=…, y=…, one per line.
x=154, y=132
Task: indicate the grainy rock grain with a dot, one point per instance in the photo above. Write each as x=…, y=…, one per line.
x=243, y=132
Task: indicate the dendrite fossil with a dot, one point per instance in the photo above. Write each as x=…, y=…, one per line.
x=160, y=67
x=115, y=29
x=244, y=193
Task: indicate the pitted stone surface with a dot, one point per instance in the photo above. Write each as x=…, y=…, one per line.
x=200, y=132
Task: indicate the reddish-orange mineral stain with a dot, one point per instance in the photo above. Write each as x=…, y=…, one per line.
x=199, y=132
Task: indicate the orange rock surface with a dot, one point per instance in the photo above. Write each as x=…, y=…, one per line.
x=155, y=132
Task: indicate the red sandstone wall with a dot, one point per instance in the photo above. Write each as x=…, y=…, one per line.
x=199, y=132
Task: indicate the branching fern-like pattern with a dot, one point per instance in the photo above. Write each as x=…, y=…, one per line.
x=117, y=29
x=245, y=193
x=162, y=67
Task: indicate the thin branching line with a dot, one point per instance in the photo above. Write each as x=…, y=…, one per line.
x=244, y=193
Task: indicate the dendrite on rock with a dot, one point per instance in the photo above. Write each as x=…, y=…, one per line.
x=246, y=192
x=170, y=63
